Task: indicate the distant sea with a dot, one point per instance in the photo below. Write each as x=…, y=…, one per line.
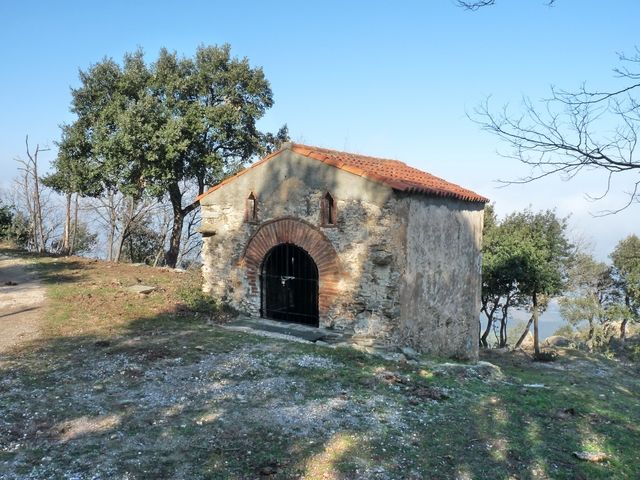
x=549, y=322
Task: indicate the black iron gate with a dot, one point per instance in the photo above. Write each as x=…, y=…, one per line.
x=289, y=280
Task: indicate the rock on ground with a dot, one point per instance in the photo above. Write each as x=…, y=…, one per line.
x=557, y=341
x=142, y=289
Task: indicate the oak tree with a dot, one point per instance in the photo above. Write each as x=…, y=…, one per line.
x=592, y=293
x=626, y=262
x=150, y=129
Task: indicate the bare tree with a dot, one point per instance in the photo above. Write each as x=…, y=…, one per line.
x=191, y=242
x=164, y=217
x=573, y=132
x=65, y=246
x=31, y=192
x=119, y=215
x=486, y=3
x=52, y=218
x=191, y=239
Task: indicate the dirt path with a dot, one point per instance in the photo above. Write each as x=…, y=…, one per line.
x=22, y=297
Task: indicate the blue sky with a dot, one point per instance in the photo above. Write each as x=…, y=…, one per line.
x=387, y=79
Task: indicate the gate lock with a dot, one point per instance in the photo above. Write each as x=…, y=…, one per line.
x=285, y=278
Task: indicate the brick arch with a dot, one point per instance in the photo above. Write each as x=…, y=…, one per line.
x=304, y=235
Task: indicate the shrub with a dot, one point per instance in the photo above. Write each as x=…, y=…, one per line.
x=197, y=301
x=545, y=356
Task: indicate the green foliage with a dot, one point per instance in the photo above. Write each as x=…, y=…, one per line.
x=546, y=356
x=592, y=294
x=142, y=245
x=151, y=126
x=6, y=220
x=617, y=311
x=576, y=310
x=73, y=169
x=198, y=301
x=603, y=299
x=14, y=226
x=84, y=240
x=150, y=129
x=626, y=262
x=541, y=253
x=528, y=251
x=525, y=257
x=499, y=257
x=565, y=331
x=273, y=142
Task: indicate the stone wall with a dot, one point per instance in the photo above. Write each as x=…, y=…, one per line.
x=440, y=294
x=408, y=266
x=368, y=239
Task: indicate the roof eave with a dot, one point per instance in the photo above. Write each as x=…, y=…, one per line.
x=472, y=197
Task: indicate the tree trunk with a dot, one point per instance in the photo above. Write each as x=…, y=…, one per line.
x=118, y=252
x=503, y=322
x=175, y=197
x=72, y=244
x=536, y=335
x=113, y=219
x=171, y=257
x=132, y=257
x=159, y=257
x=179, y=215
x=126, y=229
x=591, y=330
x=483, y=339
x=524, y=334
x=623, y=324
x=38, y=205
x=32, y=217
x=67, y=227
x=33, y=201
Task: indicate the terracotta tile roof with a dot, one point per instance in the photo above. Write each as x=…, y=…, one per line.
x=396, y=174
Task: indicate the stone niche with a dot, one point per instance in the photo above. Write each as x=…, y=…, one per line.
x=310, y=235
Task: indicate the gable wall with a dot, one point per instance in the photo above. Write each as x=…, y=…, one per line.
x=440, y=293
x=368, y=239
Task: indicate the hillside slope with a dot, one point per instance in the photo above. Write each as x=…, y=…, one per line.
x=125, y=385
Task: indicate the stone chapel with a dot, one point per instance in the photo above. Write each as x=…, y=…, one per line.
x=349, y=242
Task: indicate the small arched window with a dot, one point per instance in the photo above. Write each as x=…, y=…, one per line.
x=251, y=214
x=328, y=210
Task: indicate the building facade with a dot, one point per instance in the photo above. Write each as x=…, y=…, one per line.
x=348, y=242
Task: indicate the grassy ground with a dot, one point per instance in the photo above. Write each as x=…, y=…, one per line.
x=127, y=386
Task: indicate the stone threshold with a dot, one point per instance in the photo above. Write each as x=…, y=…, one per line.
x=285, y=329
x=319, y=336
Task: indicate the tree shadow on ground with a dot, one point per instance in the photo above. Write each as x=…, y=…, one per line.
x=169, y=395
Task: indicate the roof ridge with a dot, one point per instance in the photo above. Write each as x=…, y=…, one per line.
x=343, y=152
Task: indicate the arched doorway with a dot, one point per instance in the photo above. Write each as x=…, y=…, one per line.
x=289, y=281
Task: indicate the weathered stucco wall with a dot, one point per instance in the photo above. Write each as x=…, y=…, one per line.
x=440, y=293
x=370, y=230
